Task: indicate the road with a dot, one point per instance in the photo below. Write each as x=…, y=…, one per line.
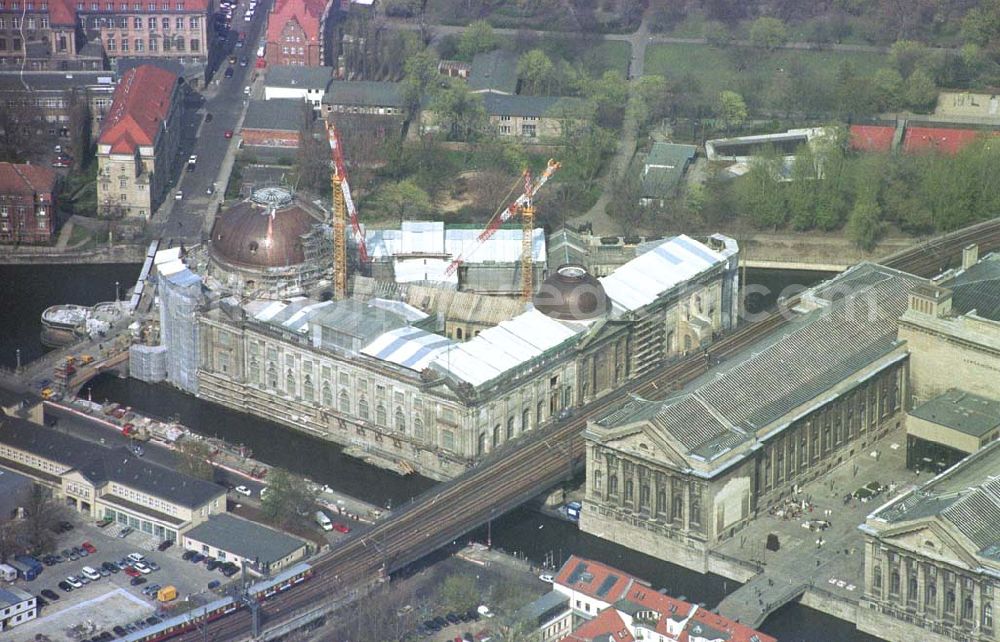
x=184, y=219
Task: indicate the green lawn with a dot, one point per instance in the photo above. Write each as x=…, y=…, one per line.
x=608, y=55
x=714, y=68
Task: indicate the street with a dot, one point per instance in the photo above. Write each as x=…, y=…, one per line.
x=184, y=219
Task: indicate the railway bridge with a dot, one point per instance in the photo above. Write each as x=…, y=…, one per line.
x=527, y=467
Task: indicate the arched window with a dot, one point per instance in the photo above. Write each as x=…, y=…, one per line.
x=510, y=427
x=363, y=408
x=344, y=402
x=677, y=507
x=894, y=582
x=949, y=602
x=307, y=389
x=458, y=333
x=380, y=416
x=525, y=420
x=290, y=383
x=418, y=428
x=877, y=578
x=481, y=444
x=597, y=480
x=539, y=413
x=628, y=490
x=327, y=395
x=967, y=609
x=272, y=377
x=400, y=420
x=496, y=435
x=612, y=484
x=911, y=589
x=661, y=502
x=987, y=615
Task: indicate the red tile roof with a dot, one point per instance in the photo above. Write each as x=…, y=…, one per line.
x=307, y=13
x=27, y=179
x=590, y=577
x=872, y=138
x=942, y=139
x=607, y=626
x=62, y=13
x=141, y=104
x=731, y=631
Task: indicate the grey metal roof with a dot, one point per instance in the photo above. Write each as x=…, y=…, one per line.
x=544, y=608
x=495, y=70
x=56, y=80
x=962, y=411
x=533, y=106
x=364, y=93
x=664, y=167
x=727, y=404
x=316, y=78
x=280, y=114
x=100, y=464
x=978, y=288
x=967, y=496
x=246, y=539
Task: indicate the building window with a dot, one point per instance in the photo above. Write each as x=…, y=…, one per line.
x=987, y=615
x=380, y=416
x=344, y=402
x=877, y=578
x=307, y=389
x=496, y=435
x=327, y=395
x=597, y=480
x=140, y=45
x=448, y=440
x=400, y=420
x=195, y=45
x=363, y=408
x=418, y=428
x=612, y=484
x=528, y=131
x=510, y=427
x=930, y=595
x=949, y=602
x=894, y=583
x=967, y=609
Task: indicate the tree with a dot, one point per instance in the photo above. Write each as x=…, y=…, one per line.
x=458, y=593
x=717, y=34
x=79, y=128
x=419, y=74
x=403, y=200
x=865, y=223
x=537, y=72
x=460, y=111
x=41, y=513
x=887, y=89
x=654, y=93
x=921, y=93
x=312, y=167
x=609, y=95
x=759, y=192
x=907, y=55
x=624, y=207
x=801, y=190
x=978, y=27
x=193, y=459
x=289, y=500
x=768, y=33
x=732, y=108
x=477, y=38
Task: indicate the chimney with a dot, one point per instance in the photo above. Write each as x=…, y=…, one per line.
x=970, y=256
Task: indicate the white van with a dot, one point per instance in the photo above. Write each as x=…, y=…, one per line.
x=90, y=574
x=260, y=51
x=323, y=521
x=7, y=573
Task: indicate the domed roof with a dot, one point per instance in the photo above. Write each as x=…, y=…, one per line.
x=572, y=294
x=247, y=233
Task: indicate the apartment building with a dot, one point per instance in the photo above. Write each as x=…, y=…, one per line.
x=27, y=203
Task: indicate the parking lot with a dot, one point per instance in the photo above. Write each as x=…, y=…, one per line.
x=112, y=599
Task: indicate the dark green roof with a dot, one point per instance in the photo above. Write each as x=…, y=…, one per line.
x=279, y=114
x=532, y=106
x=496, y=70
x=364, y=93
x=961, y=411
x=315, y=78
x=245, y=538
x=665, y=165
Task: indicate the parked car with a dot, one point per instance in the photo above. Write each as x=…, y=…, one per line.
x=125, y=532
x=65, y=586
x=197, y=557
x=229, y=569
x=187, y=555
x=40, y=602
x=229, y=72
x=137, y=557
x=90, y=548
x=178, y=195
x=75, y=583
x=228, y=133
x=142, y=568
x=131, y=571
x=243, y=490
x=110, y=566
x=49, y=593
x=214, y=584
x=120, y=631
x=138, y=581
x=341, y=528
x=165, y=544
x=453, y=618
x=213, y=564
x=122, y=564
x=82, y=552
x=153, y=566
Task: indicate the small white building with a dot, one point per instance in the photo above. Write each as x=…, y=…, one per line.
x=16, y=607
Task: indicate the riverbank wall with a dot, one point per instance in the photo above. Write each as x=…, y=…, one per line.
x=797, y=251
x=27, y=255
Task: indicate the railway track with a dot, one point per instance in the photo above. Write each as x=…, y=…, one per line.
x=537, y=461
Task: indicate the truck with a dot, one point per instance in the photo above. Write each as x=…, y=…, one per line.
x=26, y=572
x=8, y=573
x=167, y=594
x=323, y=521
x=573, y=510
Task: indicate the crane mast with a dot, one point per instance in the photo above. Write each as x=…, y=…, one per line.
x=527, y=242
x=343, y=209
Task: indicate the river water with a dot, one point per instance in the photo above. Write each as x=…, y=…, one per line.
x=27, y=290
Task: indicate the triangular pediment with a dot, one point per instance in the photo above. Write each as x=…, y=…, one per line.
x=933, y=539
x=643, y=439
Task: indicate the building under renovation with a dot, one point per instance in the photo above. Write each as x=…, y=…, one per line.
x=422, y=252
x=384, y=378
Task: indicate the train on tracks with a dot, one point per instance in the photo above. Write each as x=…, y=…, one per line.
x=260, y=591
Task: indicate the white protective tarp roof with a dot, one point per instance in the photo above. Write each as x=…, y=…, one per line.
x=163, y=256
x=643, y=279
x=409, y=347
x=431, y=237
x=420, y=270
x=506, y=346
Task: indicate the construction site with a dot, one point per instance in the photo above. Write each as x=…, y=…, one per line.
x=424, y=348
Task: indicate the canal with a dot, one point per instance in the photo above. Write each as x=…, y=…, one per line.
x=523, y=531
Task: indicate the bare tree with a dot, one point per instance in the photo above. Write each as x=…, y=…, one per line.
x=193, y=459
x=492, y=190
x=42, y=512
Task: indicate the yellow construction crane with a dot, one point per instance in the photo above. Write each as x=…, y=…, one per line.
x=343, y=209
x=525, y=206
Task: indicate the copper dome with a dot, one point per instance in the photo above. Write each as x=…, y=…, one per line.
x=572, y=294
x=263, y=231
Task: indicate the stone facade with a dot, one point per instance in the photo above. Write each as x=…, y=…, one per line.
x=149, y=29
x=27, y=203
x=138, y=143
x=931, y=558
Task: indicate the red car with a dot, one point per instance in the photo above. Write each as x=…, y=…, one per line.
x=131, y=572
x=260, y=64
x=90, y=548
x=229, y=133
x=341, y=528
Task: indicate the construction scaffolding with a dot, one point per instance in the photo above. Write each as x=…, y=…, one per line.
x=180, y=297
x=147, y=363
